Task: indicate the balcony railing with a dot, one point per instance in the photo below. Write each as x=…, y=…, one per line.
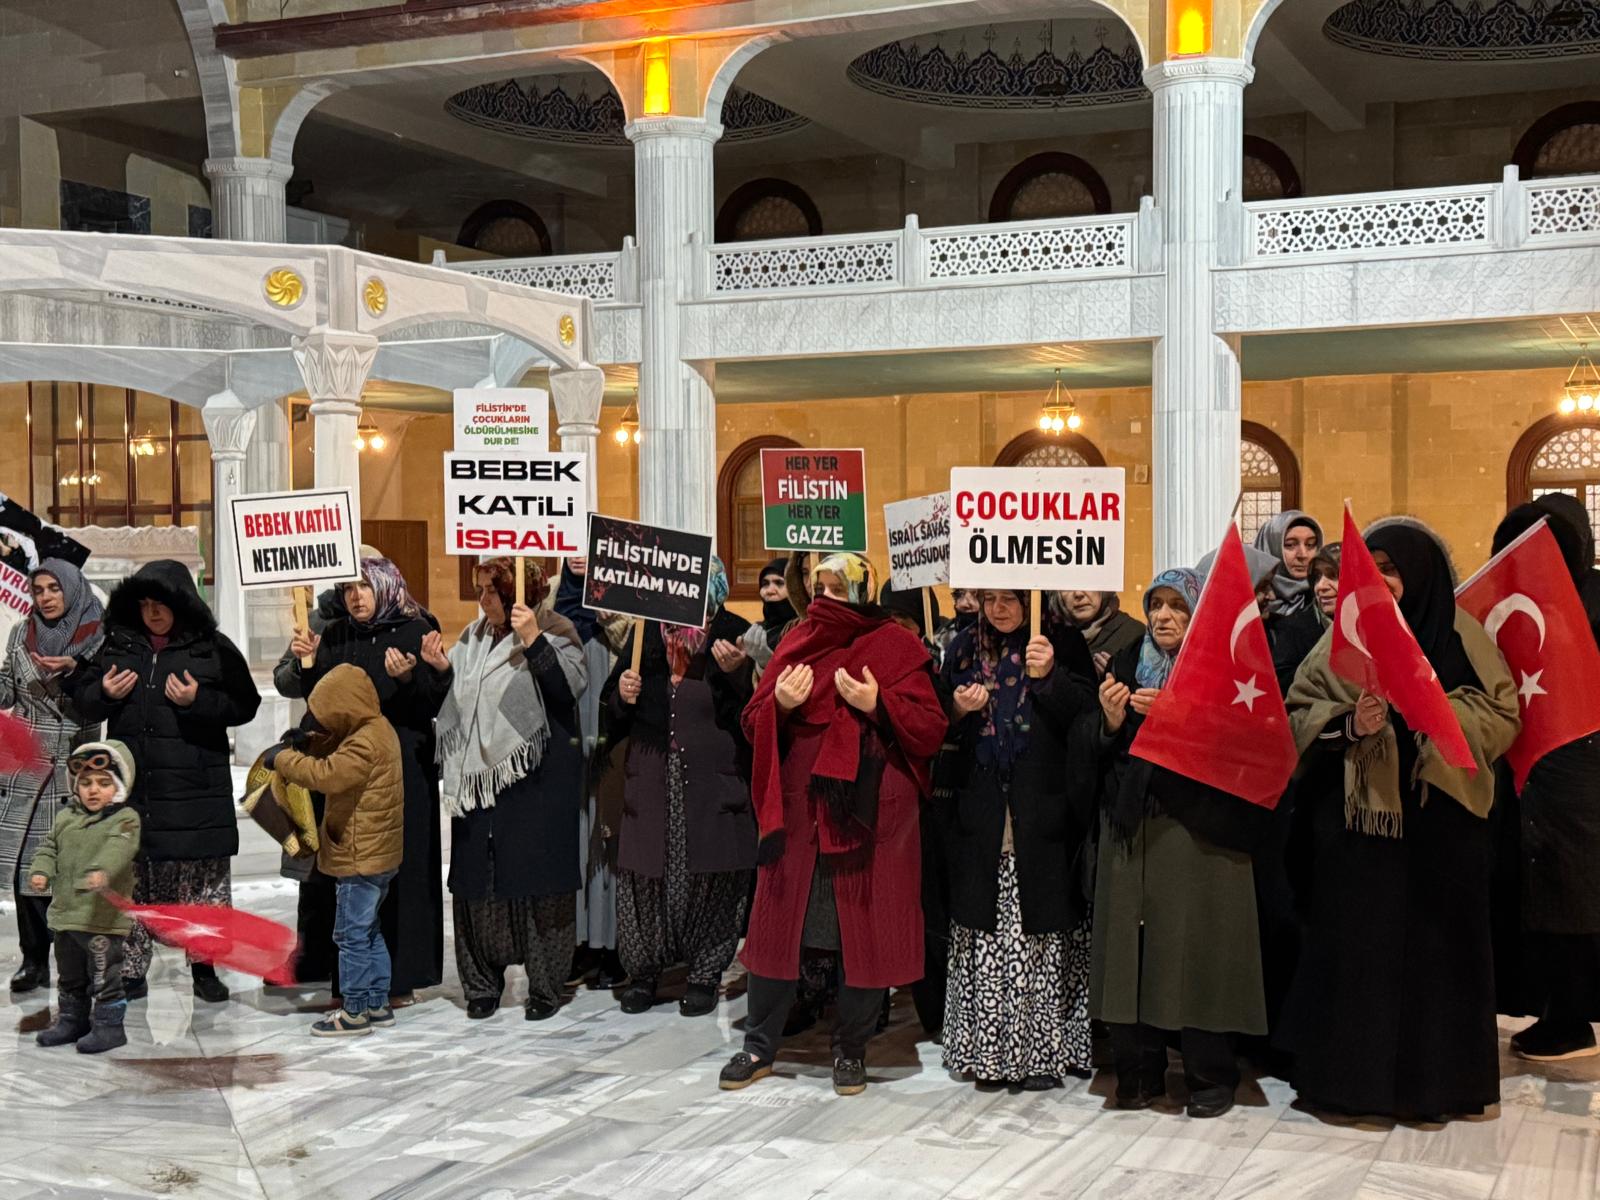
x=600, y=277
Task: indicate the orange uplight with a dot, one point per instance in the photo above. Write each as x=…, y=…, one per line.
x=1189, y=27
x=657, y=80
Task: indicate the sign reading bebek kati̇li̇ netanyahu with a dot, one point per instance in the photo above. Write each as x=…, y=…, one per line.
x=295, y=539
x=1037, y=527
x=515, y=504
x=814, y=499
x=647, y=571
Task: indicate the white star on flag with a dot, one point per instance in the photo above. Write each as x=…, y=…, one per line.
x=1530, y=687
x=1248, y=693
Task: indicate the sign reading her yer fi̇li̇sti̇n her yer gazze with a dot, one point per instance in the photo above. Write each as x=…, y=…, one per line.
x=515, y=504
x=814, y=499
x=647, y=571
x=294, y=539
x=1037, y=527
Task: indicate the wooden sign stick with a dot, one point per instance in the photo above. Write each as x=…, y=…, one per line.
x=1034, y=627
x=638, y=642
x=927, y=613
x=302, y=621
x=520, y=583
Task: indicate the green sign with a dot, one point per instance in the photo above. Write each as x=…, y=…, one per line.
x=814, y=499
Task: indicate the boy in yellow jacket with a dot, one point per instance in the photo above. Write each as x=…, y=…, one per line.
x=352, y=757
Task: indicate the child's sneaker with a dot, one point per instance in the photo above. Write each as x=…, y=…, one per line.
x=381, y=1018
x=339, y=1023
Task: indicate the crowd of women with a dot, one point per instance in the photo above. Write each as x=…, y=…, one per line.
x=864, y=802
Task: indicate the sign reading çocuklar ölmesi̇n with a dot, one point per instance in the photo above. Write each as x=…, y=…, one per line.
x=647, y=571
x=500, y=420
x=814, y=499
x=515, y=504
x=295, y=539
x=919, y=541
x=1038, y=527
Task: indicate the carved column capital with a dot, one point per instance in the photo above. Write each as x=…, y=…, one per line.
x=334, y=364
x=229, y=427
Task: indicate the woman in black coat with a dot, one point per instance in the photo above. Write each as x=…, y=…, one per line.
x=377, y=626
x=1016, y=1008
x=169, y=685
x=688, y=842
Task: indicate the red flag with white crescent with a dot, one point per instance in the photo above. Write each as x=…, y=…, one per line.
x=1529, y=605
x=1374, y=649
x=1220, y=718
x=225, y=937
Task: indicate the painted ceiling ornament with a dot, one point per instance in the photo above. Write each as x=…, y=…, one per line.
x=376, y=296
x=283, y=287
x=1468, y=30
x=906, y=71
x=579, y=119
x=567, y=329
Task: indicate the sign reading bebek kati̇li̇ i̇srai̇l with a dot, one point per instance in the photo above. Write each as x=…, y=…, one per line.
x=1037, y=527
x=515, y=504
x=294, y=539
x=814, y=499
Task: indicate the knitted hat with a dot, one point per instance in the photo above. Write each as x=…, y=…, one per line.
x=110, y=756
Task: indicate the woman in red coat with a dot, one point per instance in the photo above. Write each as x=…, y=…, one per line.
x=843, y=727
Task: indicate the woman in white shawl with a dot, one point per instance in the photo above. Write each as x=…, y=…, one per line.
x=511, y=748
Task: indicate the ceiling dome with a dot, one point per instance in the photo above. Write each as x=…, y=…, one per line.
x=1010, y=77
x=1468, y=30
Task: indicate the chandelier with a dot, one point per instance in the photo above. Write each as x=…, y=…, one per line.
x=1581, y=392
x=370, y=437
x=628, y=428
x=1060, y=410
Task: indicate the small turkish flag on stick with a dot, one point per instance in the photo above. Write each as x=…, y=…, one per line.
x=1220, y=718
x=1374, y=649
x=216, y=934
x=1550, y=651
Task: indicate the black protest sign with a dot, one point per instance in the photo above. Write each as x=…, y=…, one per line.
x=647, y=571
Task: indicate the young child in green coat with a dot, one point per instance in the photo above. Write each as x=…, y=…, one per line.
x=90, y=848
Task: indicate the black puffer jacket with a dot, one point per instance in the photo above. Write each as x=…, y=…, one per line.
x=184, y=790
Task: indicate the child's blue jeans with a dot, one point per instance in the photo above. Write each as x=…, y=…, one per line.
x=363, y=954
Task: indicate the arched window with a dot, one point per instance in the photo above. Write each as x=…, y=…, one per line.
x=1565, y=141
x=767, y=208
x=1269, y=478
x=741, y=533
x=1036, y=449
x=1557, y=455
x=506, y=228
x=1049, y=185
x=1268, y=172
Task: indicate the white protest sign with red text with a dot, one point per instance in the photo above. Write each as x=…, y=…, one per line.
x=1056, y=528
x=502, y=419
x=301, y=538
x=515, y=504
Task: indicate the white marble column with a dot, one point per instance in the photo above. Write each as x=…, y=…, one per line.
x=334, y=365
x=677, y=410
x=1199, y=130
x=229, y=425
x=247, y=198
x=577, y=395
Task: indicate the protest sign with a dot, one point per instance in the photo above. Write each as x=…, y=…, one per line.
x=1056, y=528
x=501, y=420
x=25, y=542
x=919, y=541
x=647, y=571
x=515, y=504
x=287, y=539
x=814, y=499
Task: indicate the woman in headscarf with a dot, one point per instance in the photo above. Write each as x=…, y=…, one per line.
x=1099, y=617
x=688, y=840
x=843, y=726
x=41, y=652
x=760, y=640
x=1175, y=938
x=377, y=626
x=1017, y=1007
x=511, y=746
x=967, y=601
x=1293, y=538
x=1393, y=1010
x=1325, y=583
x=169, y=685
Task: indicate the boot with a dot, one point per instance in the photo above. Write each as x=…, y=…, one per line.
x=30, y=977
x=107, y=1032
x=206, y=984
x=72, y=1022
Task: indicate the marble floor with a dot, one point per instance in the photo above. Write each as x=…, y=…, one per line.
x=236, y=1100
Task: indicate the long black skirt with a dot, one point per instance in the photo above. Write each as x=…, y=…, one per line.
x=1392, y=1010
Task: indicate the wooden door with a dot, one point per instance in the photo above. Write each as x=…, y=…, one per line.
x=404, y=543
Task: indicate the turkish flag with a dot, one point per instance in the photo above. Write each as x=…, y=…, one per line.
x=1374, y=649
x=225, y=937
x=1552, y=653
x=19, y=747
x=1220, y=718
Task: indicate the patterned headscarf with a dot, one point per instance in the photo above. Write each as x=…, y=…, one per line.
x=685, y=641
x=1155, y=664
x=392, y=602
x=855, y=571
x=536, y=587
x=996, y=660
x=77, y=630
